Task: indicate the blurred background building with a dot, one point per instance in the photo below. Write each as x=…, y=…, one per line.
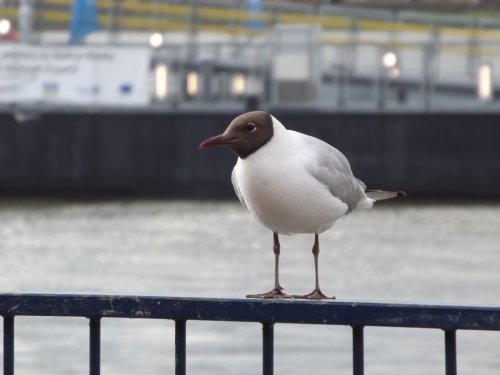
x=424, y=65
x=233, y=54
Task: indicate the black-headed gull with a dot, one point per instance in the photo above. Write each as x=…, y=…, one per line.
x=291, y=183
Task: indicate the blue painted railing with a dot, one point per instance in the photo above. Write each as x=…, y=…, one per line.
x=267, y=312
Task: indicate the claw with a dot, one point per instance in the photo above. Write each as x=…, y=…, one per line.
x=315, y=294
x=275, y=293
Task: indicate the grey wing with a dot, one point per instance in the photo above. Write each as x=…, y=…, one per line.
x=234, y=180
x=332, y=169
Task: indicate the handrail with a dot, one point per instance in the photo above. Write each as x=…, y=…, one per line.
x=253, y=310
x=267, y=312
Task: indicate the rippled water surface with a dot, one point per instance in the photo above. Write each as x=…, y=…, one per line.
x=403, y=252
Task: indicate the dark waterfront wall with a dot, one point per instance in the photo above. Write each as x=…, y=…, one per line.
x=144, y=154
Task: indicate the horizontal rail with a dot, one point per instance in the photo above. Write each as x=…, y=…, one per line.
x=253, y=310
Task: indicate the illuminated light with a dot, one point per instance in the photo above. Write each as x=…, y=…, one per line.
x=389, y=60
x=238, y=84
x=192, y=83
x=394, y=72
x=156, y=40
x=484, y=82
x=5, y=26
x=161, y=80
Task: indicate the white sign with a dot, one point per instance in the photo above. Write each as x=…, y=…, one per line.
x=74, y=75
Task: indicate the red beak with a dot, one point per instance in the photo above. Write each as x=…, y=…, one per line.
x=214, y=141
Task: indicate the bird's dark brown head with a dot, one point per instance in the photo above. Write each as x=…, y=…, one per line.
x=245, y=134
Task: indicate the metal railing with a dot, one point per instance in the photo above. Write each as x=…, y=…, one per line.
x=267, y=312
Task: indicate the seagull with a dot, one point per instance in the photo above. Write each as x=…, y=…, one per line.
x=291, y=183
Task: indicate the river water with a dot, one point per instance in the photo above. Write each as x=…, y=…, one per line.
x=438, y=253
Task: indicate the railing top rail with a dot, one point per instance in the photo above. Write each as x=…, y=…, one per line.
x=252, y=310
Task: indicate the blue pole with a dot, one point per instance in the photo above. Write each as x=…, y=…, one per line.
x=254, y=7
x=83, y=20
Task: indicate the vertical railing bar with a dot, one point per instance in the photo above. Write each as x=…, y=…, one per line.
x=358, y=351
x=267, y=348
x=450, y=342
x=180, y=347
x=95, y=346
x=8, y=345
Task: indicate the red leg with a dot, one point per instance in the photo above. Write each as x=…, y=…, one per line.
x=277, y=292
x=316, y=293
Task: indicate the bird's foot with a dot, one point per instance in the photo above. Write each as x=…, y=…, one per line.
x=315, y=294
x=275, y=293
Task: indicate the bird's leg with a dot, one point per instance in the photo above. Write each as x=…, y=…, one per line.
x=276, y=249
x=315, y=251
x=316, y=293
x=277, y=292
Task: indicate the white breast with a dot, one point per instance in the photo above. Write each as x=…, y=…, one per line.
x=281, y=193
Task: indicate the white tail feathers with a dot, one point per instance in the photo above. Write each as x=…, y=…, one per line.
x=366, y=203
x=380, y=195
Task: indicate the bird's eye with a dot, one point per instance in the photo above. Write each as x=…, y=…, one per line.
x=251, y=127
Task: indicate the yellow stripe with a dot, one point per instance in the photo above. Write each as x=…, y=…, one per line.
x=155, y=24
x=140, y=23
x=335, y=22
x=57, y=2
x=474, y=51
x=212, y=14
x=297, y=18
x=392, y=26
x=472, y=33
x=57, y=17
x=103, y=3
x=463, y=49
x=343, y=40
x=233, y=30
x=160, y=8
x=8, y=12
x=231, y=14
